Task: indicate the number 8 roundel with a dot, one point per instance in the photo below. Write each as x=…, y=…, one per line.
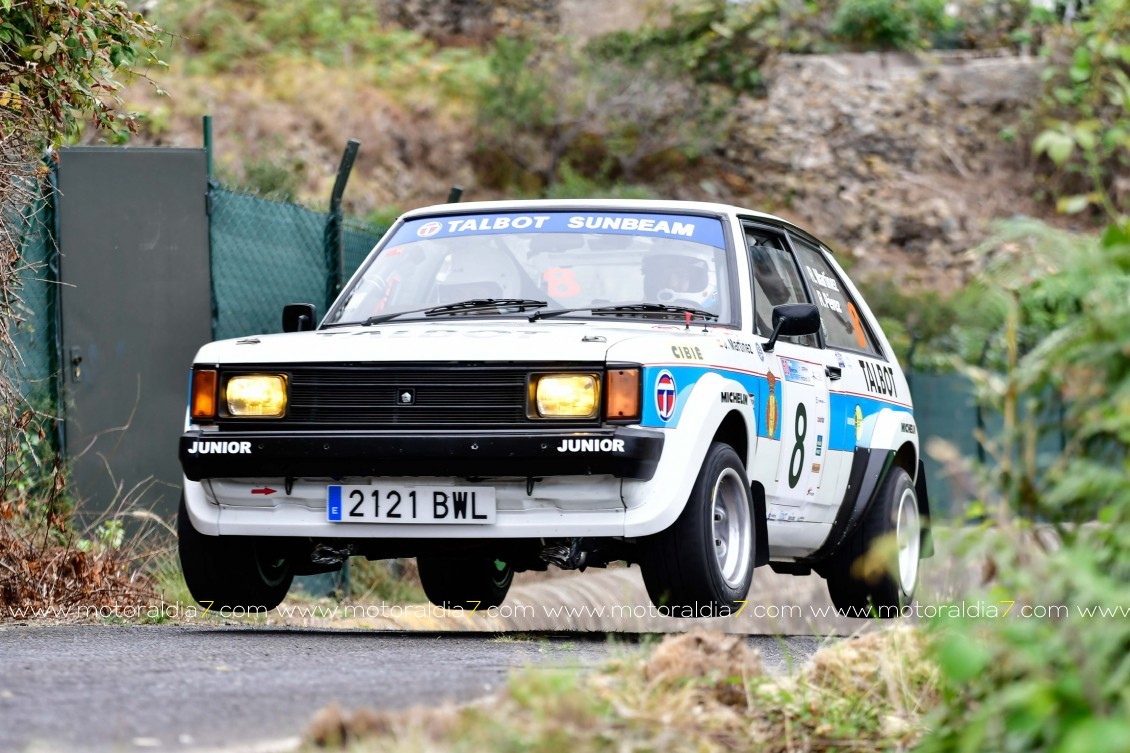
x=665, y=394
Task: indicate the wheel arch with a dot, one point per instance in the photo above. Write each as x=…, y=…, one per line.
x=910, y=461
x=735, y=432
x=906, y=457
x=655, y=504
x=870, y=467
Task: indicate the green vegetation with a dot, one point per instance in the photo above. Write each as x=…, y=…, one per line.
x=385, y=581
x=890, y=24
x=1086, y=113
x=1055, y=682
x=724, y=43
x=241, y=36
x=62, y=65
x=63, y=61
x=548, y=112
x=694, y=692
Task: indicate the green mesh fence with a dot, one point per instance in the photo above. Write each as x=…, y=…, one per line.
x=268, y=253
x=358, y=239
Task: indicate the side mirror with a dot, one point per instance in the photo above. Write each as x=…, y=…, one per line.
x=299, y=317
x=792, y=320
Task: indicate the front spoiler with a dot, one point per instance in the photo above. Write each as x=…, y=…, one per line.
x=622, y=452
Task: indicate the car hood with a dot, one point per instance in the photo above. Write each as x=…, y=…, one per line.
x=478, y=340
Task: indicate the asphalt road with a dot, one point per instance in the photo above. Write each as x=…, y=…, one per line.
x=102, y=688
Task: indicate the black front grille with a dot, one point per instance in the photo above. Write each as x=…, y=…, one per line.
x=369, y=397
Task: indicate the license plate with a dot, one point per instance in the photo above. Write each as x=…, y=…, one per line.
x=468, y=505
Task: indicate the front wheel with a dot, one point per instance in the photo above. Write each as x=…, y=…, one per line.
x=876, y=570
x=704, y=561
x=247, y=573
x=474, y=582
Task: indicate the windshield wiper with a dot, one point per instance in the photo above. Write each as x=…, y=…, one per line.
x=462, y=306
x=628, y=308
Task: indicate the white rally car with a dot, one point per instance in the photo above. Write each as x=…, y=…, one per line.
x=693, y=387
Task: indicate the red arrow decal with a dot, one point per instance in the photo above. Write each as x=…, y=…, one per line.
x=264, y=490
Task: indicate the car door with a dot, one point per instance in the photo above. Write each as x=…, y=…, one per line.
x=798, y=381
x=864, y=381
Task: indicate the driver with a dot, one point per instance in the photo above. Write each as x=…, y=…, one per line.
x=682, y=279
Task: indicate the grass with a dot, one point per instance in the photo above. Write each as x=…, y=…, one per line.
x=694, y=692
x=385, y=581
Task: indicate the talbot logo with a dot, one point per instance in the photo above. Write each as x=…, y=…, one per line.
x=406, y=397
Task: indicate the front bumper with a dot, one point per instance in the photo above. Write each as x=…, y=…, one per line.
x=622, y=452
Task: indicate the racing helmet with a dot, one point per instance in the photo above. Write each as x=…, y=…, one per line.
x=685, y=277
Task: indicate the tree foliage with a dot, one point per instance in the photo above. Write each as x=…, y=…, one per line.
x=60, y=61
x=1086, y=112
x=63, y=59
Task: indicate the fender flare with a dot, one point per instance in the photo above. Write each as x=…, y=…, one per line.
x=870, y=467
x=653, y=506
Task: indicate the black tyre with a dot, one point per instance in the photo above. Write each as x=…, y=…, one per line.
x=233, y=572
x=876, y=570
x=705, y=559
x=473, y=582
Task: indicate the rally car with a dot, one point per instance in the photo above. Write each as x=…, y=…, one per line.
x=502, y=386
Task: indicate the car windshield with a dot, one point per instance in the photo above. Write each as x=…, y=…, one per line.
x=569, y=260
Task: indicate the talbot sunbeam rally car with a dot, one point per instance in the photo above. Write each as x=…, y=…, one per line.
x=503, y=386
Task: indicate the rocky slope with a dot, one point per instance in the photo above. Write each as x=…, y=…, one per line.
x=898, y=160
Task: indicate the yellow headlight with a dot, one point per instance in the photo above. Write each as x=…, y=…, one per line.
x=261, y=395
x=567, y=395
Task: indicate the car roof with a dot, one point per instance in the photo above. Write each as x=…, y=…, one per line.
x=636, y=205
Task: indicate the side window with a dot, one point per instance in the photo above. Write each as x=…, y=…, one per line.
x=776, y=280
x=843, y=324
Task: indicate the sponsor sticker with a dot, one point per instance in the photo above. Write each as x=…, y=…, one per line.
x=796, y=371
x=665, y=394
x=591, y=445
x=706, y=230
x=219, y=448
x=879, y=378
x=772, y=412
x=687, y=352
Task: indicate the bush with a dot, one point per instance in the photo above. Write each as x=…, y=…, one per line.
x=1086, y=113
x=723, y=43
x=548, y=106
x=1056, y=681
x=875, y=24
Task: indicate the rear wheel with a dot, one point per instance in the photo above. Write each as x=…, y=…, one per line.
x=875, y=572
x=705, y=559
x=468, y=582
x=233, y=572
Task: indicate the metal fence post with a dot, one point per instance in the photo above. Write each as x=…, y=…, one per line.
x=335, y=252
x=209, y=187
